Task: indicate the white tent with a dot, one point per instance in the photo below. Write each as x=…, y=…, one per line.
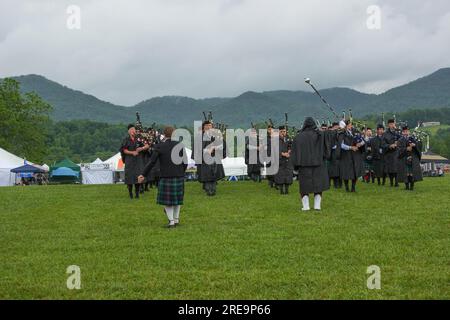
x=115, y=162
x=8, y=161
x=97, y=172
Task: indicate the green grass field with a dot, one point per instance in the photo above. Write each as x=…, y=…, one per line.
x=246, y=243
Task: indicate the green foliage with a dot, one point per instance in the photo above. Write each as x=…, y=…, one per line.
x=23, y=121
x=441, y=142
x=429, y=92
x=83, y=140
x=248, y=242
x=413, y=116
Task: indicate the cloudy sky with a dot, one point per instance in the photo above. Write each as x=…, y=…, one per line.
x=128, y=51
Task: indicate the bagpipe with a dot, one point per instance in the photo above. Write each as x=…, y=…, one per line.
x=417, y=135
x=290, y=132
x=219, y=133
x=216, y=125
x=422, y=137
x=359, y=129
x=144, y=136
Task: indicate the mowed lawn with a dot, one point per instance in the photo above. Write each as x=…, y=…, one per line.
x=248, y=242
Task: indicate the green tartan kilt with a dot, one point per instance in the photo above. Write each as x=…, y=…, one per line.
x=170, y=191
x=409, y=170
x=368, y=166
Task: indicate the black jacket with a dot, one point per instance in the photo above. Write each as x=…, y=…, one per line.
x=163, y=153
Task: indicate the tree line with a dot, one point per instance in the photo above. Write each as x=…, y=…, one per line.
x=27, y=130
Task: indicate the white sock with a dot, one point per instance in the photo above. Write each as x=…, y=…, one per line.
x=176, y=213
x=317, y=201
x=169, y=212
x=305, y=202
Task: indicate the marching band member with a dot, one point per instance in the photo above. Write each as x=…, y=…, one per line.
x=268, y=147
x=171, y=184
x=252, y=146
x=378, y=155
x=390, y=145
x=409, y=170
x=284, y=177
x=210, y=173
x=131, y=152
x=368, y=159
x=351, y=163
x=309, y=151
x=333, y=163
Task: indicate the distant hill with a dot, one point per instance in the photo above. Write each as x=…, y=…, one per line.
x=432, y=91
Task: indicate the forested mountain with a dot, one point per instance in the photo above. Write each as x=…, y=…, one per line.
x=432, y=91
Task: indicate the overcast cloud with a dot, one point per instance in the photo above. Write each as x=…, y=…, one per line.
x=128, y=51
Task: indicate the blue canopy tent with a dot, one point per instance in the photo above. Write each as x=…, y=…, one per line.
x=26, y=171
x=27, y=168
x=64, y=175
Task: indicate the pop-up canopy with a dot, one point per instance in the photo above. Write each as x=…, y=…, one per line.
x=27, y=169
x=66, y=163
x=64, y=172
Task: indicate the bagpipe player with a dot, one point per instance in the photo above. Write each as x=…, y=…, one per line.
x=173, y=162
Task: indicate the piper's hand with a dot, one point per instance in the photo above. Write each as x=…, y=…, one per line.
x=393, y=146
x=354, y=148
x=409, y=148
x=141, y=179
x=136, y=153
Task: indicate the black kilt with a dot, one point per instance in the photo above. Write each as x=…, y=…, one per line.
x=133, y=168
x=391, y=161
x=285, y=173
x=378, y=168
x=313, y=179
x=333, y=168
x=170, y=191
x=210, y=172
